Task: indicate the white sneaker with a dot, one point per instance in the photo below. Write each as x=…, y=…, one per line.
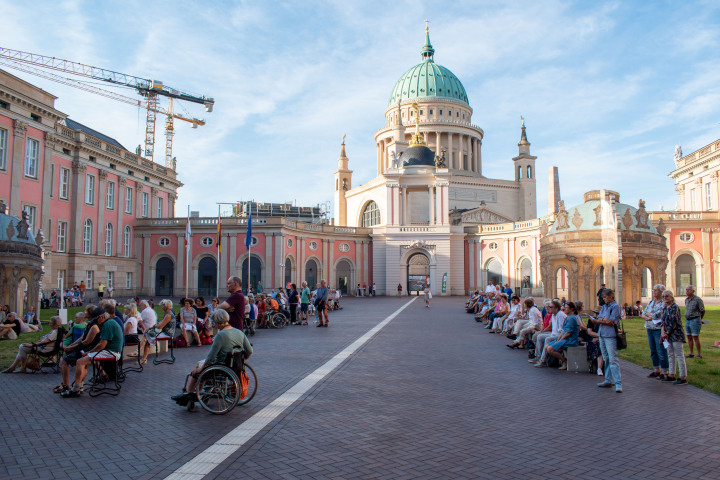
x=599, y=372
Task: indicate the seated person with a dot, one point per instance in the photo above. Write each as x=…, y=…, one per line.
x=44, y=345
x=130, y=326
x=163, y=330
x=262, y=311
x=189, y=318
x=12, y=327
x=30, y=321
x=109, y=346
x=533, y=324
x=569, y=338
x=516, y=312
x=227, y=340
x=637, y=309
x=338, y=295
x=76, y=329
x=73, y=352
x=54, y=299
x=272, y=305
x=499, y=313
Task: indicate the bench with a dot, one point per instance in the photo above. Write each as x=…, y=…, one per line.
x=577, y=359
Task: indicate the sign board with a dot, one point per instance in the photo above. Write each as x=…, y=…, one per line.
x=444, y=283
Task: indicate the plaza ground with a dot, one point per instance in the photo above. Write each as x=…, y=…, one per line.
x=431, y=395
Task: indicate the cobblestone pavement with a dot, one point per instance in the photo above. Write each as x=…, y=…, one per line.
x=432, y=395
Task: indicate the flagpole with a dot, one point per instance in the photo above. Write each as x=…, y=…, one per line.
x=187, y=259
x=249, y=249
x=217, y=287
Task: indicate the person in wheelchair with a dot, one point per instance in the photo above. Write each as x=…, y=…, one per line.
x=227, y=340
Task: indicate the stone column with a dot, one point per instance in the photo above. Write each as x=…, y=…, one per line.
x=100, y=204
x=438, y=144
x=331, y=262
x=300, y=260
x=431, y=191
x=450, y=161
x=380, y=163
x=269, y=262
x=403, y=218
x=233, y=257
x=145, y=261
x=179, y=283
x=153, y=203
x=138, y=199
x=225, y=240
x=279, y=258
x=366, y=269
x=171, y=205
x=469, y=153
x=47, y=182
x=324, y=266
x=119, y=209
x=358, y=264
x=17, y=165
x=471, y=264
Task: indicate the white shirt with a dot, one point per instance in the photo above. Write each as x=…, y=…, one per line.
x=490, y=288
x=514, y=311
x=535, y=316
x=132, y=321
x=148, y=317
x=557, y=321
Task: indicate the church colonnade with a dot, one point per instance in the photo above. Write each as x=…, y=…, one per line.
x=462, y=151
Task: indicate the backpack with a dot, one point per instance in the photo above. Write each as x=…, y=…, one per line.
x=180, y=342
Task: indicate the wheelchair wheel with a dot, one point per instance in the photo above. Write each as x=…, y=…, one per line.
x=252, y=385
x=278, y=320
x=218, y=389
x=190, y=406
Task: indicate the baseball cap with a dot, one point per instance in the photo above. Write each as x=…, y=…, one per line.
x=97, y=312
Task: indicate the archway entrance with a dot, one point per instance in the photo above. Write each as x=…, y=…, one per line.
x=21, y=297
x=311, y=271
x=255, y=269
x=418, y=273
x=207, y=277
x=342, y=271
x=646, y=282
x=494, y=272
x=288, y=271
x=561, y=279
x=684, y=273
x=164, y=275
x=525, y=277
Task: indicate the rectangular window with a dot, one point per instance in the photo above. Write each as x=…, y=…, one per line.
x=160, y=207
x=32, y=154
x=90, y=278
x=128, y=199
x=693, y=199
x=61, y=236
x=111, y=280
x=128, y=280
x=64, y=183
x=61, y=280
x=52, y=180
x=3, y=148
x=89, y=189
x=145, y=199
x=32, y=216
x=708, y=197
x=110, y=200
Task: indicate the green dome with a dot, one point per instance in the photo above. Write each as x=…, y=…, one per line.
x=428, y=80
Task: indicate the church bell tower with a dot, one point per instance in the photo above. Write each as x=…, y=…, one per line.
x=343, y=183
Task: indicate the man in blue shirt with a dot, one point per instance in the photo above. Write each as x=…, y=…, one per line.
x=508, y=290
x=321, y=300
x=609, y=320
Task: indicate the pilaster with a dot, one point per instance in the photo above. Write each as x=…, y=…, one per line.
x=17, y=165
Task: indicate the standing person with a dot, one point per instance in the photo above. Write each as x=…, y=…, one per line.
x=373, y=289
x=235, y=304
x=653, y=324
x=599, y=295
x=428, y=295
x=83, y=288
x=358, y=292
x=304, y=303
x=101, y=290
x=399, y=289
x=321, y=304
x=609, y=320
x=110, y=290
x=694, y=313
x=259, y=288
x=293, y=300
x=672, y=332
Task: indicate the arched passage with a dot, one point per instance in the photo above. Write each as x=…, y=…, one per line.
x=525, y=276
x=288, y=271
x=418, y=272
x=343, y=274
x=684, y=273
x=311, y=273
x=494, y=270
x=207, y=277
x=561, y=282
x=164, y=275
x=255, y=273
x=646, y=282
x=21, y=297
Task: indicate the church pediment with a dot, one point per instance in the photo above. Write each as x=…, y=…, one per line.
x=482, y=215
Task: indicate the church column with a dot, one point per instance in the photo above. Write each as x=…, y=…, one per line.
x=469, y=153
x=478, y=264
x=366, y=279
x=431, y=194
x=471, y=264
x=450, y=161
x=395, y=215
x=380, y=164
x=438, y=144
x=403, y=218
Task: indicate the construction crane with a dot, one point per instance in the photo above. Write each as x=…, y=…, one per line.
x=149, y=89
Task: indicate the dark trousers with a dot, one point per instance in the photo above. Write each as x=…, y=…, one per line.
x=293, y=312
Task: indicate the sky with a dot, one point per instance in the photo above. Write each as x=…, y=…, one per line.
x=607, y=89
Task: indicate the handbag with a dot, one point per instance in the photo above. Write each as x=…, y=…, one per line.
x=33, y=363
x=244, y=384
x=621, y=337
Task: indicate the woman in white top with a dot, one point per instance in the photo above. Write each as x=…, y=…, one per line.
x=534, y=324
x=428, y=296
x=131, y=323
x=189, y=319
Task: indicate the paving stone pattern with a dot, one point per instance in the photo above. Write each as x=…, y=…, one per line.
x=433, y=395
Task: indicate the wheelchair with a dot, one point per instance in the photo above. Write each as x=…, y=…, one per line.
x=219, y=389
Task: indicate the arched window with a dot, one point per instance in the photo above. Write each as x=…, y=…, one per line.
x=87, y=236
x=108, y=239
x=371, y=215
x=529, y=171
x=127, y=240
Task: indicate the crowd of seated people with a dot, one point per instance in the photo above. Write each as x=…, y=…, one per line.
x=545, y=331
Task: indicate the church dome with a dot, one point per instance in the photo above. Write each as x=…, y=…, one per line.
x=428, y=80
x=417, y=155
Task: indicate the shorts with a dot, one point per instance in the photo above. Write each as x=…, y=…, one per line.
x=72, y=357
x=692, y=326
x=100, y=294
x=321, y=306
x=104, y=354
x=304, y=307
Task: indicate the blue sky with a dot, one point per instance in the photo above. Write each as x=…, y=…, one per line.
x=607, y=88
